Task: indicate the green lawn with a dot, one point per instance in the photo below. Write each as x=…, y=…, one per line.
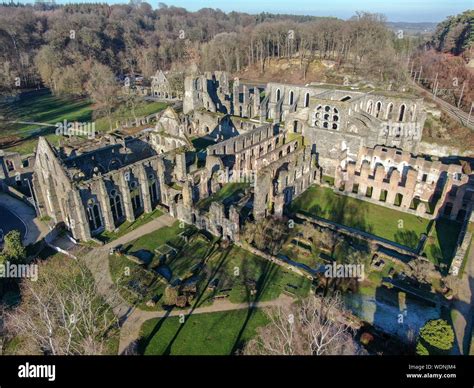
x=236, y=271
x=221, y=333
x=365, y=216
x=148, y=242
x=439, y=248
x=43, y=108
x=127, y=226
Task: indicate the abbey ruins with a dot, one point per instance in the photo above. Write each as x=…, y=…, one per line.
x=275, y=140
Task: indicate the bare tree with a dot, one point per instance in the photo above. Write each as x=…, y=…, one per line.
x=314, y=326
x=61, y=313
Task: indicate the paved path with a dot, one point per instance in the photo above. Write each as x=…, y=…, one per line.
x=464, y=305
x=35, y=229
x=131, y=319
x=130, y=331
x=98, y=262
x=155, y=224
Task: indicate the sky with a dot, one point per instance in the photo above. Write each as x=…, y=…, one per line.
x=395, y=10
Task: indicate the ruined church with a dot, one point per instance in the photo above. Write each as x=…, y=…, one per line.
x=261, y=146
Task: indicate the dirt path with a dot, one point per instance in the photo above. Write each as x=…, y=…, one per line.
x=131, y=319
x=155, y=224
x=130, y=331
x=97, y=260
x=464, y=305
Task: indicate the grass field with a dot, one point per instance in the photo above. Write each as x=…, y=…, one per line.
x=221, y=333
x=439, y=248
x=378, y=220
x=237, y=270
x=45, y=110
x=239, y=275
x=128, y=226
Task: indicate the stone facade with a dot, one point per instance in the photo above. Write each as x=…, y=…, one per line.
x=395, y=178
x=162, y=88
x=262, y=146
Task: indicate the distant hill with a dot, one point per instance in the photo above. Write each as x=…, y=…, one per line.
x=413, y=28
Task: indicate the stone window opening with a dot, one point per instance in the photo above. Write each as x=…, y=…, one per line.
x=116, y=206
x=401, y=116
x=95, y=220
x=369, y=106
x=306, y=100
x=10, y=165
x=291, y=98
x=398, y=199
x=378, y=108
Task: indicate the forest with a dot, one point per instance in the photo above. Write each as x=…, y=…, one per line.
x=73, y=48
x=61, y=46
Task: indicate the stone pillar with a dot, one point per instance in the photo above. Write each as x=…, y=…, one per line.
x=80, y=227
x=234, y=219
x=393, y=191
x=235, y=96
x=160, y=171
x=245, y=100
x=105, y=206
x=180, y=168
x=278, y=205
x=256, y=101
x=144, y=188
x=126, y=199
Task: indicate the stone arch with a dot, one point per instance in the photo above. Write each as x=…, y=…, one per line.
x=370, y=106
x=378, y=108
x=306, y=100
x=401, y=113
x=278, y=94
x=291, y=97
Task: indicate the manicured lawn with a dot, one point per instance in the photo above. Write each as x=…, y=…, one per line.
x=239, y=275
x=238, y=271
x=43, y=108
x=148, y=242
x=439, y=248
x=221, y=333
x=127, y=226
x=378, y=220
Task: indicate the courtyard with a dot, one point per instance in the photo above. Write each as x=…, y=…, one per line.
x=173, y=256
x=402, y=228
